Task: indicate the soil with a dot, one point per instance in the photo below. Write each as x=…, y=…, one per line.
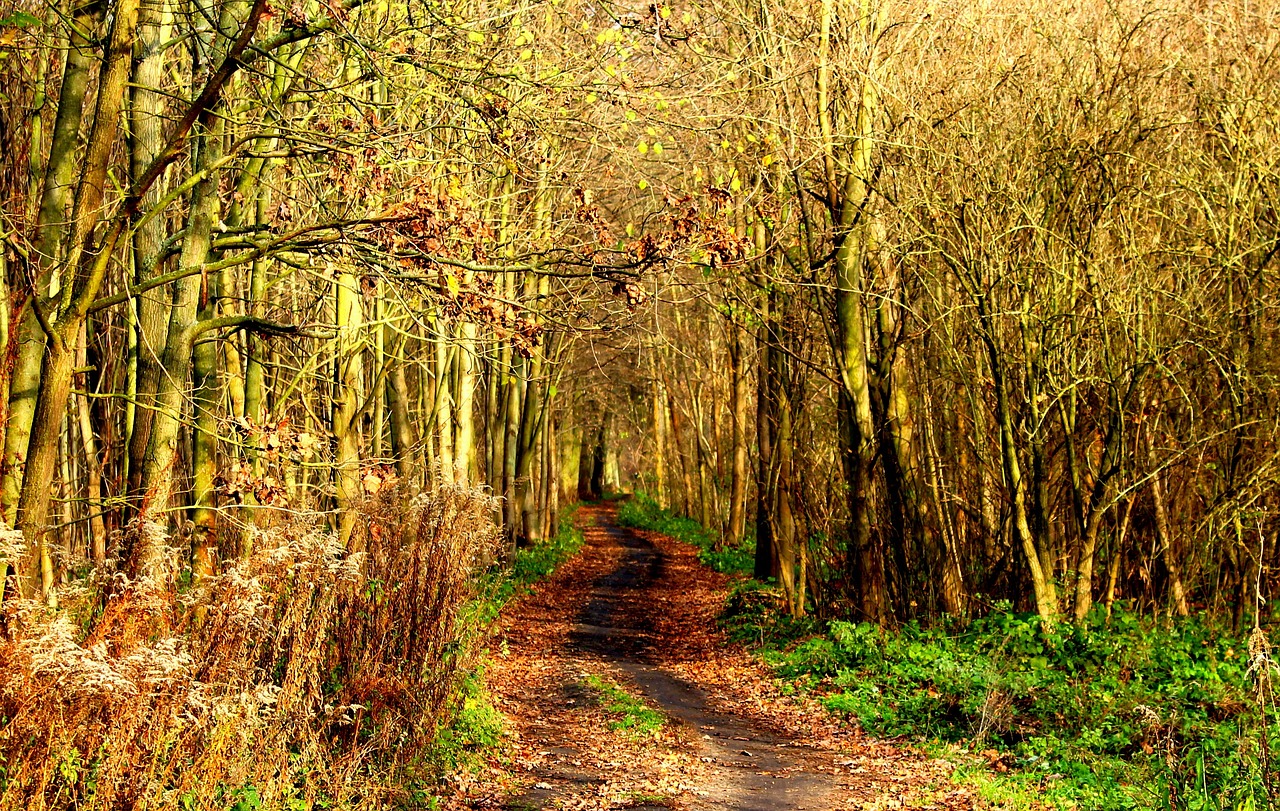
x=637, y=609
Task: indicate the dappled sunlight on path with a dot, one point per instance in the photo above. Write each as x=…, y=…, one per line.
x=637, y=609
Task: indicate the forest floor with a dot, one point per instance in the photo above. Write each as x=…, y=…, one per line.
x=619, y=691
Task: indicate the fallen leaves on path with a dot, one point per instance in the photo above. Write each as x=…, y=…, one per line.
x=561, y=750
x=875, y=774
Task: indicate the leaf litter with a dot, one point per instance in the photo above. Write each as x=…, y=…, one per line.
x=563, y=749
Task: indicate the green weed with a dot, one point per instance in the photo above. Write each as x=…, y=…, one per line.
x=477, y=727
x=631, y=713
x=1121, y=714
x=642, y=512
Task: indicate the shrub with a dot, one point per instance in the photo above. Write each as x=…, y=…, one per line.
x=1120, y=711
x=306, y=674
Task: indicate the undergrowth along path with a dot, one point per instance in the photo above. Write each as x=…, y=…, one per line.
x=628, y=627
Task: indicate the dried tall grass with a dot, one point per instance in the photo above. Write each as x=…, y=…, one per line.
x=305, y=673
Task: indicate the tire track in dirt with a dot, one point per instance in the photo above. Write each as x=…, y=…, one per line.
x=637, y=608
x=743, y=766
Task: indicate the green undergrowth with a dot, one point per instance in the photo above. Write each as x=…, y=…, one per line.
x=1125, y=712
x=1111, y=714
x=477, y=726
x=642, y=512
x=629, y=713
x=531, y=564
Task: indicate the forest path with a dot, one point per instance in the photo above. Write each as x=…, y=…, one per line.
x=748, y=767
x=637, y=609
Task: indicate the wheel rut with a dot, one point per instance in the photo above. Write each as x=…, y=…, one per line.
x=745, y=767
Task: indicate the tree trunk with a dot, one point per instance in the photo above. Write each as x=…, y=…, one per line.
x=151, y=309
x=36, y=574
x=86, y=267
x=510, y=453
x=443, y=408
x=492, y=425
x=909, y=539
x=1117, y=555
x=790, y=556
x=677, y=431
x=738, y=485
x=1164, y=537
x=587, y=441
x=598, y=456
x=766, y=558
x=570, y=464
x=955, y=600
x=850, y=203
x=158, y=470
x=404, y=436
x=51, y=227
x=536, y=403
x=93, y=464
x=1096, y=508
x=204, y=449
x=1046, y=593
x=551, y=477
x=465, y=445
x=702, y=453
x=347, y=399
x=659, y=417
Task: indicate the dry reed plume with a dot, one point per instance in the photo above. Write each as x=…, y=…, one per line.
x=305, y=672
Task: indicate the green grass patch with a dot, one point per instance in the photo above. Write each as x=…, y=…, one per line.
x=536, y=562
x=1121, y=713
x=477, y=728
x=642, y=512
x=644, y=798
x=755, y=615
x=1130, y=713
x=630, y=713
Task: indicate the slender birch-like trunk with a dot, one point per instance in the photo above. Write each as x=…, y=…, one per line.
x=85, y=266
x=51, y=229
x=347, y=398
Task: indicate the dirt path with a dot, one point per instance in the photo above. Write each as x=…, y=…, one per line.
x=636, y=609
x=748, y=767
